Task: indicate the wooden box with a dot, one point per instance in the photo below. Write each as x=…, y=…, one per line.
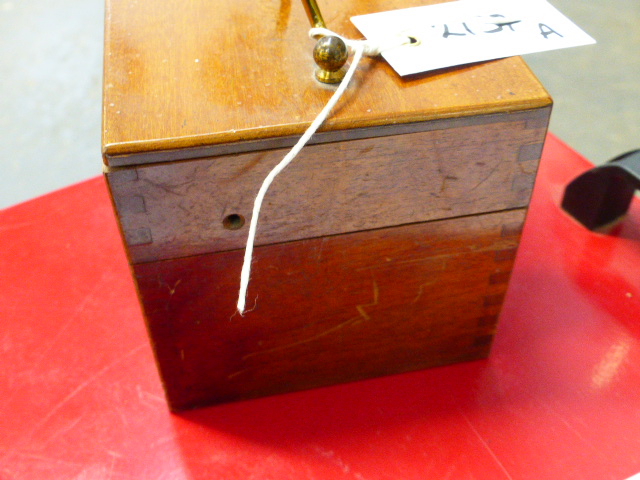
x=386, y=246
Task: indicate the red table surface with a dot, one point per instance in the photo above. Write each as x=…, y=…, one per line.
x=559, y=397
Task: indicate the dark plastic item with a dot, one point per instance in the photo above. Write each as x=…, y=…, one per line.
x=600, y=197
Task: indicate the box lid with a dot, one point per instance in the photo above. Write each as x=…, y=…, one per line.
x=191, y=79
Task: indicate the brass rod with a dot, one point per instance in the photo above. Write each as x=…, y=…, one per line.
x=313, y=12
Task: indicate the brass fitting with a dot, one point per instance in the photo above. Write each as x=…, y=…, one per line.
x=330, y=53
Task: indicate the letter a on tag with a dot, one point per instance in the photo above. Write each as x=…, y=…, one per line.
x=467, y=31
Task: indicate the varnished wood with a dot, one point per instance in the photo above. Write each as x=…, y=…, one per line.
x=385, y=247
x=457, y=168
x=201, y=79
x=329, y=310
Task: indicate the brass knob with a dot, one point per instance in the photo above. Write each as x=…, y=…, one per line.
x=330, y=54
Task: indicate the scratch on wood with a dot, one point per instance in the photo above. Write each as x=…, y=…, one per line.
x=527, y=171
x=249, y=164
x=184, y=209
x=172, y=291
x=363, y=315
x=487, y=177
x=444, y=258
x=299, y=342
x=445, y=182
x=167, y=188
x=361, y=308
x=236, y=374
x=421, y=290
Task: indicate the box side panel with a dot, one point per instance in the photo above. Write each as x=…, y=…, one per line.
x=183, y=208
x=329, y=310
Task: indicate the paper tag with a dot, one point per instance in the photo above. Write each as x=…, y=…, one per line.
x=467, y=31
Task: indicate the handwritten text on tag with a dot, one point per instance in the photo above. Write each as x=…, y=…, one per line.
x=467, y=31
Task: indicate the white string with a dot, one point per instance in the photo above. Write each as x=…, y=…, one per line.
x=371, y=47
x=360, y=48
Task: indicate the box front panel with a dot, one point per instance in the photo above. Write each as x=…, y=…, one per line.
x=457, y=167
x=329, y=310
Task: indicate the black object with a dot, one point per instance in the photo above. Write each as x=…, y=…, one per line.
x=600, y=197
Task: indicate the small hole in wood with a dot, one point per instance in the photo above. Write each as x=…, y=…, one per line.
x=233, y=221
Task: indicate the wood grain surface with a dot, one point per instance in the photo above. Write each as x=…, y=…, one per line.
x=460, y=167
x=192, y=79
x=329, y=310
x=385, y=247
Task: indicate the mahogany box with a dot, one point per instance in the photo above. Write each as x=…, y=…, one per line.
x=385, y=247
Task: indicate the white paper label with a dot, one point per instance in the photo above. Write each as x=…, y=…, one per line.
x=467, y=31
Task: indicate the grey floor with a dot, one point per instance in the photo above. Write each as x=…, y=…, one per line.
x=50, y=89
